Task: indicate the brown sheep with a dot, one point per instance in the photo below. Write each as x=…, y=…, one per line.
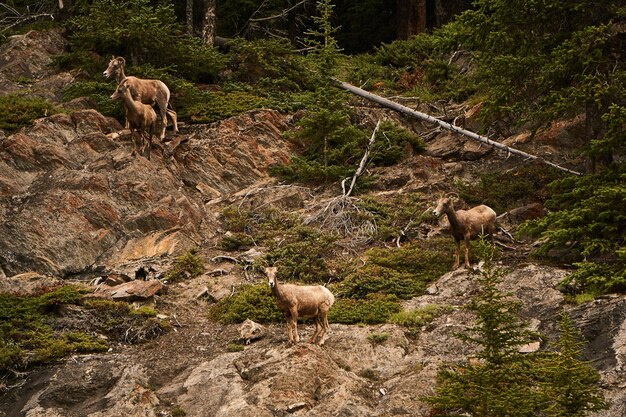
x=466, y=225
x=141, y=118
x=145, y=91
x=302, y=301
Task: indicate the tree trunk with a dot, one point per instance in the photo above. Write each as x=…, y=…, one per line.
x=189, y=17
x=411, y=17
x=208, y=22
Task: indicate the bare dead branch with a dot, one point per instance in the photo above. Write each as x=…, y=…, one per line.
x=430, y=119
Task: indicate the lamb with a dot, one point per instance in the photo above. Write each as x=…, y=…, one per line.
x=145, y=91
x=141, y=118
x=302, y=301
x=466, y=224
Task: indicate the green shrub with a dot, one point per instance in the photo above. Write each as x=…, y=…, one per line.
x=235, y=241
x=374, y=309
x=186, y=266
x=397, y=216
x=418, y=317
x=589, y=211
x=378, y=338
x=302, y=255
x=403, y=272
x=392, y=144
x=235, y=347
x=503, y=381
x=254, y=302
x=17, y=111
x=27, y=336
x=220, y=105
x=503, y=191
x=100, y=93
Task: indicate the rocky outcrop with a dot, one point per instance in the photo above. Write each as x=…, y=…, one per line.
x=74, y=200
x=25, y=64
x=352, y=375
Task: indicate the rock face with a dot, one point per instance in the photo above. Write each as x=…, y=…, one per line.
x=190, y=370
x=75, y=200
x=28, y=57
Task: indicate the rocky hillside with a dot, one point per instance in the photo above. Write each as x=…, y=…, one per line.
x=77, y=206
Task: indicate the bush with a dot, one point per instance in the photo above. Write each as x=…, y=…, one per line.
x=374, y=309
x=254, y=302
x=403, y=272
x=186, y=266
x=27, y=336
x=17, y=111
x=589, y=211
x=504, y=382
x=418, y=317
x=100, y=93
x=378, y=338
x=302, y=255
x=503, y=191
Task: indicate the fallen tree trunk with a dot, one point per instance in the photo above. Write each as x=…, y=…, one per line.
x=427, y=118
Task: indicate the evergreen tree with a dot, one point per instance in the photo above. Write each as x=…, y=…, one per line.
x=502, y=382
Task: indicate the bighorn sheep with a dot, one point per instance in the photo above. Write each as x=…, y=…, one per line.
x=145, y=91
x=466, y=224
x=302, y=301
x=141, y=117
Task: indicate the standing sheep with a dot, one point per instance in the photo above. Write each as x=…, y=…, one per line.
x=466, y=225
x=302, y=301
x=145, y=91
x=141, y=118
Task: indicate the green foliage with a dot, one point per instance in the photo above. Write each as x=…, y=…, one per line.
x=394, y=143
x=235, y=347
x=374, y=309
x=302, y=255
x=100, y=93
x=378, y=338
x=186, y=266
x=254, y=227
x=503, y=382
x=395, y=216
x=503, y=191
x=403, y=272
x=220, y=105
x=254, y=302
x=123, y=323
x=419, y=317
x=27, y=334
x=236, y=241
x=131, y=28
x=17, y=111
x=588, y=220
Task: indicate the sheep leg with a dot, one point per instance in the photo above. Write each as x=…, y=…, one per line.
x=148, y=145
x=136, y=142
x=293, y=313
x=163, y=112
x=325, y=326
x=318, y=329
x=466, y=245
x=457, y=251
x=174, y=116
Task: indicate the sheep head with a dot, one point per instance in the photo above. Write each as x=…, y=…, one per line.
x=443, y=204
x=120, y=90
x=114, y=66
x=270, y=271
